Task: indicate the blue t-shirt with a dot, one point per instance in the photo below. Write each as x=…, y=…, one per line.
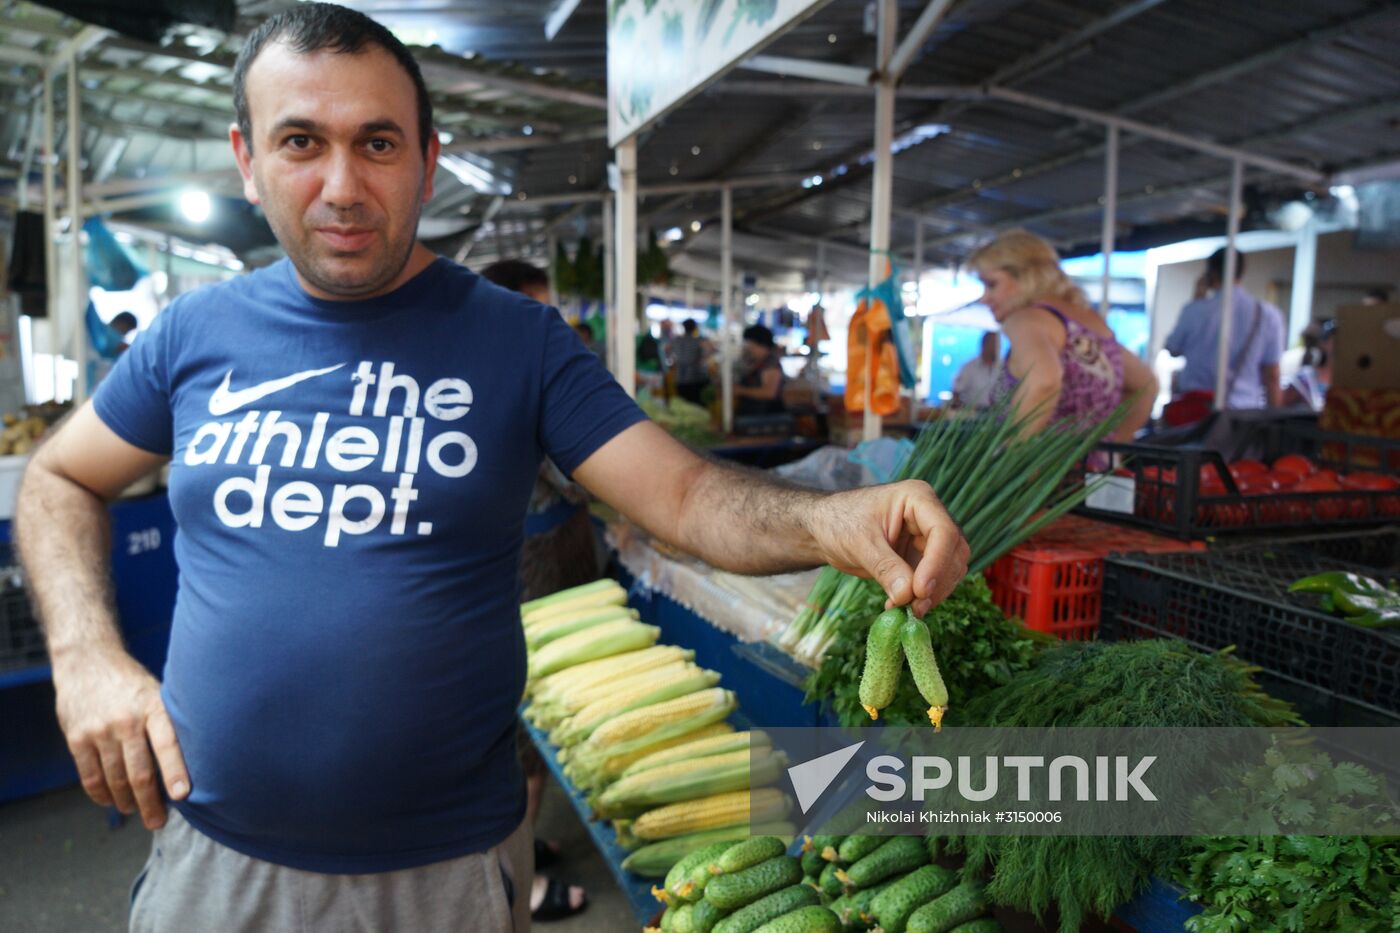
x=1197, y=335
x=350, y=481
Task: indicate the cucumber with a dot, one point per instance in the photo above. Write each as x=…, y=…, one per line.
x=918, y=651
x=958, y=906
x=828, y=881
x=984, y=925
x=658, y=858
x=896, y=904
x=668, y=919
x=898, y=856
x=746, y=854
x=677, y=878
x=882, y=662
x=682, y=921
x=744, y=887
x=704, y=917
x=813, y=919
x=855, y=848
x=770, y=907
x=853, y=910
x=821, y=845
x=812, y=863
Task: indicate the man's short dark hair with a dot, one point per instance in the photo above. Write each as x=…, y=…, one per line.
x=760, y=335
x=1215, y=265
x=123, y=321
x=1378, y=295
x=690, y=327
x=311, y=27
x=516, y=275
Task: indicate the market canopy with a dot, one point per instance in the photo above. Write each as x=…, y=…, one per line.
x=1306, y=85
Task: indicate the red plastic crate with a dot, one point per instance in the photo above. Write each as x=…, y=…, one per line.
x=1054, y=581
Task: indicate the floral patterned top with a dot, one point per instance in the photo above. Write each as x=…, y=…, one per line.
x=1092, y=382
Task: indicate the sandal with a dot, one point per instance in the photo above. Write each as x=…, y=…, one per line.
x=555, y=905
x=546, y=854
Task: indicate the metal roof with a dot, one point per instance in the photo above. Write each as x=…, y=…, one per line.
x=1313, y=83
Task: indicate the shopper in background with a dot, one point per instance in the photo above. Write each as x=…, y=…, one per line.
x=585, y=333
x=353, y=435
x=558, y=552
x=1308, y=387
x=973, y=385
x=1064, y=361
x=1376, y=296
x=1256, y=347
x=759, y=390
x=688, y=362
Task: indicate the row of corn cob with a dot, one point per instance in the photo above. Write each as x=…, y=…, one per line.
x=641, y=728
x=892, y=884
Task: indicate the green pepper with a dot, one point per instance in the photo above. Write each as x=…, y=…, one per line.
x=1378, y=618
x=1348, y=593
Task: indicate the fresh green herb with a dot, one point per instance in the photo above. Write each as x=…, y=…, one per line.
x=1097, y=684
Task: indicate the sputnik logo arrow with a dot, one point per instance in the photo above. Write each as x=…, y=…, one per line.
x=811, y=778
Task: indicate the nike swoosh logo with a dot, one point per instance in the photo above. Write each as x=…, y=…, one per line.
x=224, y=400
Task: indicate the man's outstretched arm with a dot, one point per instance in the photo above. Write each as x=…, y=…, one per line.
x=109, y=706
x=745, y=521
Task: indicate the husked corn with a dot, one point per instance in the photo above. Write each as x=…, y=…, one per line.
x=639, y=722
x=714, y=812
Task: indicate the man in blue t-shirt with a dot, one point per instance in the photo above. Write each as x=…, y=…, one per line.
x=352, y=434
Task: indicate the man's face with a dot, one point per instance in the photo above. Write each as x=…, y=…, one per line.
x=337, y=165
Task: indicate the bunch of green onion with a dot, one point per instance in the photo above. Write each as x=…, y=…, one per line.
x=999, y=486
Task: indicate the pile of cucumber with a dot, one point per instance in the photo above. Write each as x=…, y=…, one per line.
x=891, y=884
x=835, y=884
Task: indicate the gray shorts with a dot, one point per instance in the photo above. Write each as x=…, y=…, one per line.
x=192, y=883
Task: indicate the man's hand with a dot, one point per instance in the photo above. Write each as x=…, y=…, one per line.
x=899, y=535
x=110, y=710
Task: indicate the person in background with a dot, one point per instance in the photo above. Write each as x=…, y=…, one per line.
x=1256, y=343
x=123, y=323
x=1308, y=387
x=558, y=553
x=1376, y=296
x=759, y=390
x=585, y=333
x=688, y=362
x=974, y=383
x=1064, y=362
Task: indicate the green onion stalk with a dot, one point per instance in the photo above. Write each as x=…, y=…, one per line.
x=999, y=486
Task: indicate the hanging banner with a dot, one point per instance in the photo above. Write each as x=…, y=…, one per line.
x=661, y=52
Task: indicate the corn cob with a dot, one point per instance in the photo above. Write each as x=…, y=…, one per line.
x=601, y=641
x=658, y=690
x=559, y=685
x=657, y=858
x=555, y=629
x=599, y=770
x=688, y=780
x=551, y=713
x=731, y=809
x=719, y=745
x=564, y=595
x=639, y=722
x=607, y=596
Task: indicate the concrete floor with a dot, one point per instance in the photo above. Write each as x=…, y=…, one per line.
x=63, y=869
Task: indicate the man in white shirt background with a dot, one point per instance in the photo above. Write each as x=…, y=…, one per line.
x=972, y=387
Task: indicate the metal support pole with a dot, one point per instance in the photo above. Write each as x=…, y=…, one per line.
x=1304, y=277
x=50, y=218
x=551, y=246
x=883, y=184
x=918, y=262
x=1110, y=212
x=609, y=309
x=821, y=271
x=726, y=304
x=625, y=323
x=1227, y=286
x=73, y=175
x=926, y=333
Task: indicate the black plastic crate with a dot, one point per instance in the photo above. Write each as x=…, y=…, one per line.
x=1167, y=495
x=21, y=643
x=1337, y=673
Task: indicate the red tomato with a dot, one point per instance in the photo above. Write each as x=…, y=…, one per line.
x=1261, y=485
x=1286, y=478
x=1295, y=463
x=1247, y=468
x=1321, y=481
x=1377, y=482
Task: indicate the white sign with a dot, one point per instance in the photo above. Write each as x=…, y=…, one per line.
x=660, y=52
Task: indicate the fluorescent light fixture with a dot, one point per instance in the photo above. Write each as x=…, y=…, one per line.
x=195, y=205
x=474, y=176
x=672, y=235
x=445, y=137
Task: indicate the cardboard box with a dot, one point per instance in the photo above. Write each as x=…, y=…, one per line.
x=1366, y=348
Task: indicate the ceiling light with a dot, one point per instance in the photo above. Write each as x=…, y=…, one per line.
x=694, y=150
x=195, y=205
x=695, y=226
x=831, y=37
x=573, y=179
x=672, y=235
x=445, y=137
x=528, y=130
